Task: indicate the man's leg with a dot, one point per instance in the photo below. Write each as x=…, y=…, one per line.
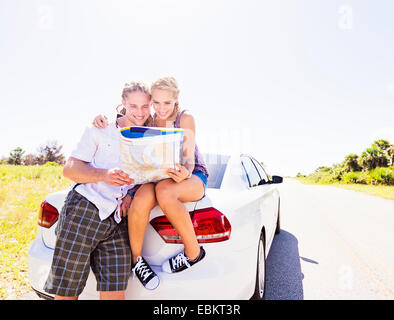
x=111, y=260
x=104, y=295
x=71, y=260
x=65, y=298
x=112, y=295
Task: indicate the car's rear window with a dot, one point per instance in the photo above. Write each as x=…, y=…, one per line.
x=217, y=164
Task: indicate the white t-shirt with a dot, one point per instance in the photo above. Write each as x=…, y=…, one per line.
x=101, y=148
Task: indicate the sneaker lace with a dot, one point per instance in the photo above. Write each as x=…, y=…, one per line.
x=142, y=268
x=180, y=260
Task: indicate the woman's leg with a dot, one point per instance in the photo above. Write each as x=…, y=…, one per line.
x=138, y=217
x=170, y=196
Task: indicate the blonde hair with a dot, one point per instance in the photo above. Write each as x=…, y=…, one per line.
x=168, y=83
x=135, y=86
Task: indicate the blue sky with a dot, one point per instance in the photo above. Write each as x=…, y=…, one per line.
x=297, y=84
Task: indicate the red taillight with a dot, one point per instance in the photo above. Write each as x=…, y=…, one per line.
x=47, y=215
x=210, y=225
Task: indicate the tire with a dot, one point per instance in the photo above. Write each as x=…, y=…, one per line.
x=259, y=291
x=277, y=230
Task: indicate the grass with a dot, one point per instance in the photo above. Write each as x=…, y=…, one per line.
x=382, y=191
x=22, y=189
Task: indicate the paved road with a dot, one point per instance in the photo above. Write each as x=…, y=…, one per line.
x=334, y=244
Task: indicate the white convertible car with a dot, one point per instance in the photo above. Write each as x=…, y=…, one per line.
x=236, y=222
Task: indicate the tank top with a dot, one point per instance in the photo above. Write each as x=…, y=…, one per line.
x=199, y=163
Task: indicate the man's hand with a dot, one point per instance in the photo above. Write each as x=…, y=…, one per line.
x=124, y=207
x=180, y=175
x=117, y=177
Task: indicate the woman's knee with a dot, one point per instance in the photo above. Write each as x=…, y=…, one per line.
x=165, y=192
x=143, y=201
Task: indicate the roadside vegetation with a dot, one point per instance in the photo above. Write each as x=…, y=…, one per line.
x=22, y=189
x=372, y=172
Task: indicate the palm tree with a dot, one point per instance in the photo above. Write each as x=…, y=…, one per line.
x=375, y=156
x=390, y=152
x=351, y=163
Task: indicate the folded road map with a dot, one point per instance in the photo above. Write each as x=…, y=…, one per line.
x=146, y=152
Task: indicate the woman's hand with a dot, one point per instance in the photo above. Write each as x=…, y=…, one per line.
x=124, y=207
x=180, y=175
x=100, y=121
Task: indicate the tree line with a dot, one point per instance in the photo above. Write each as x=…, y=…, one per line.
x=375, y=165
x=49, y=152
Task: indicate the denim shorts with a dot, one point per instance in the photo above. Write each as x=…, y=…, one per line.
x=203, y=177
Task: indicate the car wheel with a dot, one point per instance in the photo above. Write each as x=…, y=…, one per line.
x=259, y=291
x=277, y=230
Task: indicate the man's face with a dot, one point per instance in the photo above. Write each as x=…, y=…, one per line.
x=137, y=107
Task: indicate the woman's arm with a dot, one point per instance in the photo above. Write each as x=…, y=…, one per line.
x=187, y=167
x=187, y=123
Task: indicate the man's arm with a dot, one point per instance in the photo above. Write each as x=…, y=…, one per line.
x=81, y=172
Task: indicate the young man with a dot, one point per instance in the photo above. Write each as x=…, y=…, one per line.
x=91, y=231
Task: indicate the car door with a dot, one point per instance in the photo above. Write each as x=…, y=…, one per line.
x=268, y=189
x=261, y=195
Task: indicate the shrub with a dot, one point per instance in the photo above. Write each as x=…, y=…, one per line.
x=321, y=177
x=16, y=156
x=337, y=173
x=355, y=177
x=381, y=176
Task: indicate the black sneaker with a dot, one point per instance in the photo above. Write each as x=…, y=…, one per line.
x=145, y=274
x=181, y=262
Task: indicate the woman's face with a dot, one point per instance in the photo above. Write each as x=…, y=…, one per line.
x=163, y=102
x=137, y=107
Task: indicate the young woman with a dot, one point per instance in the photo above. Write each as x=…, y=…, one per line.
x=186, y=184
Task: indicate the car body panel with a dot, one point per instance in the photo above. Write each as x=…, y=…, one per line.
x=224, y=273
x=229, y=269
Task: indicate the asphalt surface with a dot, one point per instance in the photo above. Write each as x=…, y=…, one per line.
x=334, y=244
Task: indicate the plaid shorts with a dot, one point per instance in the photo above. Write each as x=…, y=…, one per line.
x=84, y=242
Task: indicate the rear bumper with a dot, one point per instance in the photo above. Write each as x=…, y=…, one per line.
x=223, y=274
x=43, y=295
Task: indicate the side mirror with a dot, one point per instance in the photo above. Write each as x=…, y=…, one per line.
x=276, y=179
x=262, y=181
